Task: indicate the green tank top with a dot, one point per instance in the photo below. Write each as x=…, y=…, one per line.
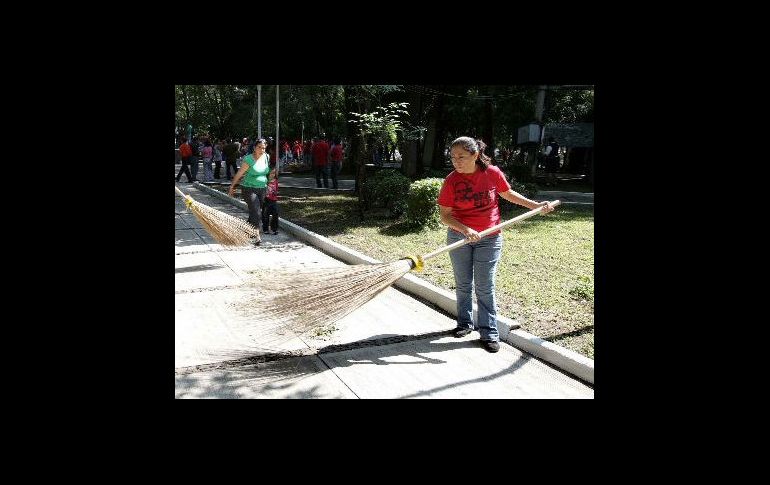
x=254, y=178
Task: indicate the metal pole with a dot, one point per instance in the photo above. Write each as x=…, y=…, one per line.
x=277, y=125
x=539, y=103
x=259, y=111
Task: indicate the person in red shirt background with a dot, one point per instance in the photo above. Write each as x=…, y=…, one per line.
x=186, y=153
x=307, y=151
x=320, y=161
x=336, y=153
x=297, y=149
x=285, y=154
x=468, y=204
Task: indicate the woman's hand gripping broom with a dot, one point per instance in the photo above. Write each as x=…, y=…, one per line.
x=227, y=230
x=303, y=300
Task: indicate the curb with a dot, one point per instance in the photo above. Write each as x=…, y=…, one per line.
x=569, y=361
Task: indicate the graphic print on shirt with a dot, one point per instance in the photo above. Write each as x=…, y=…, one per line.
x=464, y=193
x=272, y=189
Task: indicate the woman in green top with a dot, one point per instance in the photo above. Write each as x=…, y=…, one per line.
x=253, y=171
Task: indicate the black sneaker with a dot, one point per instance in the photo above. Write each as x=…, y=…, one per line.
x=491, y=346
x=462, y=331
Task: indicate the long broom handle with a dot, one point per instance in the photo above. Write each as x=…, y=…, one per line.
x=492, y=229
x=180, y=192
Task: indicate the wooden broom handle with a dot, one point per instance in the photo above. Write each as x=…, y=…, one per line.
x=180, y=192
x=492, y=229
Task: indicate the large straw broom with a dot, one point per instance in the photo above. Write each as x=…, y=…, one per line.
x=227, y=230
x=300, y=300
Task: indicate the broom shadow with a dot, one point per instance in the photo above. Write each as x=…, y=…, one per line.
x=262, y=354
x=250, y=380
x=263, y=374
x=384, y=346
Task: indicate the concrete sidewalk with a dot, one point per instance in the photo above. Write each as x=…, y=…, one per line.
x=392, y=347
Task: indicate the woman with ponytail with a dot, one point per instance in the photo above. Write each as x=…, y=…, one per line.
x=468, y=204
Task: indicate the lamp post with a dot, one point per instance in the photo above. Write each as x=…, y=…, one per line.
x=259, y=111
x=277, y=125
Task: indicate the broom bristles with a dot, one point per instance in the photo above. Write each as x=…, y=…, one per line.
x=227, y=230
x=302, y=300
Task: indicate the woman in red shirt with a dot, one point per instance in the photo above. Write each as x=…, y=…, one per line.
x=468, y=203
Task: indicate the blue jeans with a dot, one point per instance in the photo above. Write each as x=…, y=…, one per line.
x=476, y=261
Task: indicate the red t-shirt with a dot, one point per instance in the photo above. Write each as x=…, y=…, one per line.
x=320, y=151
x=473, y=197
x=336, y=153
x=185, y=150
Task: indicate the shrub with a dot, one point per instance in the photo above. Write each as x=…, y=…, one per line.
x=387, y=188
x=422, y=207
x=528, y=190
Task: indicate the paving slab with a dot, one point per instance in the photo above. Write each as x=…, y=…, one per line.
x=202, y=270
x=447, y=367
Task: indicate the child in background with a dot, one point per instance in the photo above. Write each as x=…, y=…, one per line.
x=270, y=208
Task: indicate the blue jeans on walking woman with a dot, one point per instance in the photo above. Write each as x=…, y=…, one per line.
x=476, y=261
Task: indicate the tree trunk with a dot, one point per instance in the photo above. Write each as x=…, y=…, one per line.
x=352, y=131
x=488, y=133
x=363, y=155
x=430, y=145
x=409, y=156
x=186, y=107
x=438, y=161
x=355, y=100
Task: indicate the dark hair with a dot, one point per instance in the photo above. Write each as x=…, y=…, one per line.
x=473, y=146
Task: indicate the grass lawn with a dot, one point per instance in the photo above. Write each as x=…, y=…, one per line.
x=545, y=278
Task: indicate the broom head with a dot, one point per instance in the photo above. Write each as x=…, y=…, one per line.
x=302, y=300
x=227, y=230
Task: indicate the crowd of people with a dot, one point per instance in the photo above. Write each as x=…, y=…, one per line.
x=324, y=155
x=254, y=166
